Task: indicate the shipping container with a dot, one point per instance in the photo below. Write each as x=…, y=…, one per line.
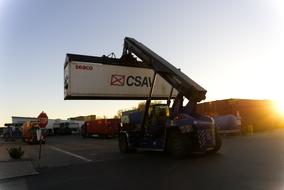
x=101, y=127
x=85, y=77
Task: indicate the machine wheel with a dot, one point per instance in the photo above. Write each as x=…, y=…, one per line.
x=83, y=131
x=6, y=136
x=178, y=144
x=103, y=136
x=218, y=143
x=123, y=144
x=86, y=135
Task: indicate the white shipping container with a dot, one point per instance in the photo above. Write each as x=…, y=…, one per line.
x=104, y=81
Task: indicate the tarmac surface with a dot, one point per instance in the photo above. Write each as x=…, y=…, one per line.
x=70, y=162
x=10, y=168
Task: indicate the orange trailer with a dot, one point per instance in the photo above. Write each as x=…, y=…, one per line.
x=101, y=127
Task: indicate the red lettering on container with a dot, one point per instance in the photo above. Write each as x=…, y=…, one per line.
x=84, y=67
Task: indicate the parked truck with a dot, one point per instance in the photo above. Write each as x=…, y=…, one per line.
x=12, y=131
x=29, y=132
x=102, y=127
x=62, y=128
x=142, y=74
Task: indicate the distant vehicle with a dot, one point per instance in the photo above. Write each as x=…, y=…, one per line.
x=7, y=134
x=101, y=127
x=228, y=124
x=12, y=131
x=29, y=132
x=62, y=128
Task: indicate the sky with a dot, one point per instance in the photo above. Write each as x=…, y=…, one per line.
x=234, y=49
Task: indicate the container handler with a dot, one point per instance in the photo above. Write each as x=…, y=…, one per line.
x=178, y=130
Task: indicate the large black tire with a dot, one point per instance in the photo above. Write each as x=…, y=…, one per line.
x=178, y=144
x=83, y=134
x=84, y=131
x=218, y=140
x=103, y=136
x=123, y=144
x=6, y=136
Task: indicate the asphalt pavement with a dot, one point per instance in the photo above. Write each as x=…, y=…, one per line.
x=244, y=162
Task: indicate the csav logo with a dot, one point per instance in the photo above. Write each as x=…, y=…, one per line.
x=138, y=81
x=84, y=67
x=117, y=80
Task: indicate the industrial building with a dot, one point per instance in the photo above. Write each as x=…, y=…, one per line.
x=53, y=124
x=260, y=114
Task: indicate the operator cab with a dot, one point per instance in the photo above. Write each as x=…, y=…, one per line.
x=159, y=115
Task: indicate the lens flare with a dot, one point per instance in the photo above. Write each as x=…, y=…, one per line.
x=279, y=105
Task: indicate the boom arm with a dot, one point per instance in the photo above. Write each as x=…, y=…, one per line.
x=190, y=89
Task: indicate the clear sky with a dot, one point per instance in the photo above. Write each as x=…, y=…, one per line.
x=234, y=49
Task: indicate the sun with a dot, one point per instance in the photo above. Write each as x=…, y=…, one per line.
x=279, y=106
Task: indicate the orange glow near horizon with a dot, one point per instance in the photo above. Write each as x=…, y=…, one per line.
x=279, y=105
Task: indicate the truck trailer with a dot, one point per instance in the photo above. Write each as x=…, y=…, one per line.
x=102, y=127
